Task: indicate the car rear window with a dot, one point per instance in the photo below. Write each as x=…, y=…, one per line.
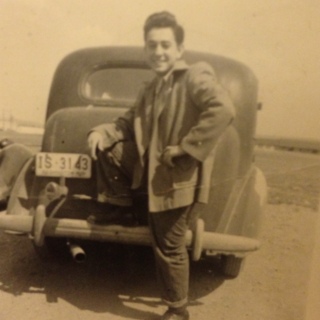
x=114, y=84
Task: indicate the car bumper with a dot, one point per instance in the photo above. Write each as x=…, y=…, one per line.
x=199, y=240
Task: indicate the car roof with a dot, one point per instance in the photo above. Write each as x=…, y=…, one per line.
x=64, y=90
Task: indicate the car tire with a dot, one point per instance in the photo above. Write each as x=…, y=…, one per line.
x=231, y=266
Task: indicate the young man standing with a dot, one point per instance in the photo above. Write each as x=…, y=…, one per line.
x=174, y=127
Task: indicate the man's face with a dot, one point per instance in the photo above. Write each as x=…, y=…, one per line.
x=162, y=50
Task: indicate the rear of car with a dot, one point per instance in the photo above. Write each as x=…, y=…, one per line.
x=55, y=190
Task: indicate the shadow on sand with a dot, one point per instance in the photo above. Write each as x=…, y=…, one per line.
x=113, y=278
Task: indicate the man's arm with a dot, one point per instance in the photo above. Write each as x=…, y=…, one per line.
x=216, y=111
x=107, y=135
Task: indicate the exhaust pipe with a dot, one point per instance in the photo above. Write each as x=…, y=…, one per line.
x=77, y=253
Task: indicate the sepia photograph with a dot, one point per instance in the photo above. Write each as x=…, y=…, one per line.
x=159, y=160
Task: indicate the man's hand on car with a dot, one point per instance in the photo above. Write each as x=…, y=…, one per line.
x=95, y=142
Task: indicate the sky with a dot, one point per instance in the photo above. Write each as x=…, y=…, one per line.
x=278, y=39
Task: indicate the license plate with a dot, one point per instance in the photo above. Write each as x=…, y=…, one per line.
x=69, y=165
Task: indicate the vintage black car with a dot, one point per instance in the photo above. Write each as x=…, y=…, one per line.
x=55, y=190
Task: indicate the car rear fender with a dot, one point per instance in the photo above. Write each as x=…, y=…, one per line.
x=12, y=159
x=21, y=198
x=244, y=210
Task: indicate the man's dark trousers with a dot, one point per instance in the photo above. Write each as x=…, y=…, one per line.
x=168, y=228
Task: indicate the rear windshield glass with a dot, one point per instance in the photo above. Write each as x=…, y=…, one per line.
x=122, y=84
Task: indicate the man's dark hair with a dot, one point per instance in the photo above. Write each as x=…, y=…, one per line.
x=164, y=19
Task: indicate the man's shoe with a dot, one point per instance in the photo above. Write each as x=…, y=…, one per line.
x=171, y=315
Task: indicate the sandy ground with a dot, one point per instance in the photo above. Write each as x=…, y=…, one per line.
x=313, y=305
x=119, y=282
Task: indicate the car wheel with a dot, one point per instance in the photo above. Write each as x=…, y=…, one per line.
x=52, y=248
x=231, y=265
